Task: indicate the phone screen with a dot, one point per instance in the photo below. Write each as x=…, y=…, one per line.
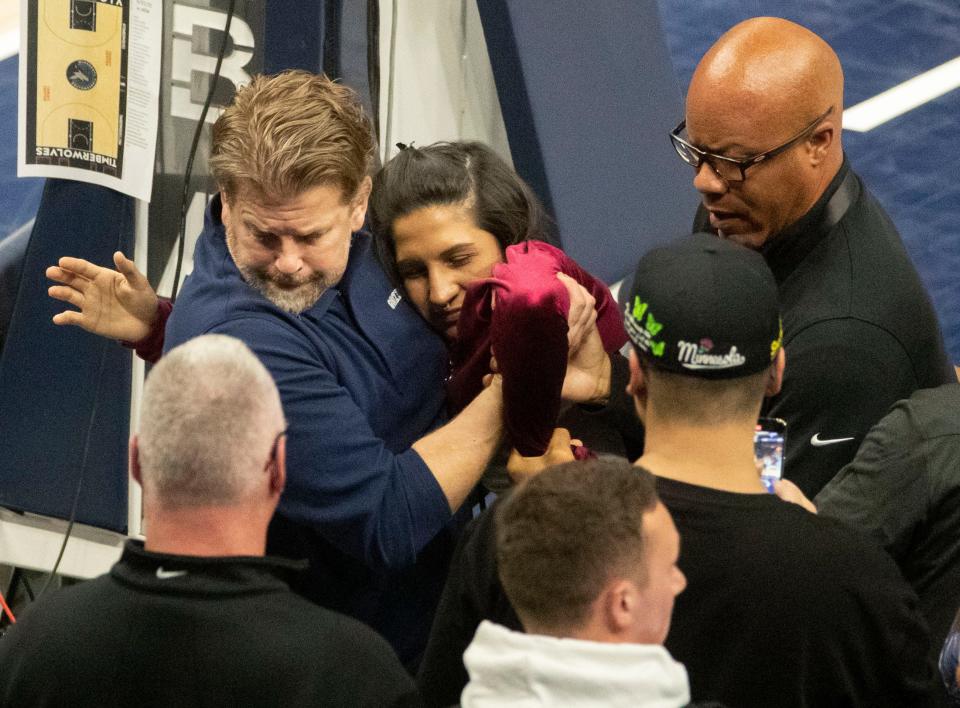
x=768, y=446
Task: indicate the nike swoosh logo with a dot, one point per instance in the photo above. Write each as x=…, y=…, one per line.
x=167, y=574
x=816, y=441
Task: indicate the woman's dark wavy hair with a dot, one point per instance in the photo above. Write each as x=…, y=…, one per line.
x=468, y=173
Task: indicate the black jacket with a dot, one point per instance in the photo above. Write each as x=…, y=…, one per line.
x=903, y=488
x=859, y=330
x=162, y=630
x=782, y=608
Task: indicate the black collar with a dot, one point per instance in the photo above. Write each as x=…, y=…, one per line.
x=786, y=250
x=212, y=575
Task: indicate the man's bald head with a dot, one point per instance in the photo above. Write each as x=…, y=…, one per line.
x=760, y=85
x=776, y=65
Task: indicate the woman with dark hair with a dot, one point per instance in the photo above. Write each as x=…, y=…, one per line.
x=429, y=192
x=469, y=242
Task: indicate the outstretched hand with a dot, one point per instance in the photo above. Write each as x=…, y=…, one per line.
x=112, y=303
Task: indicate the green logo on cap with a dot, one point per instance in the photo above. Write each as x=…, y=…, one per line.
x=778, y=342
x=652, y=326
x=643, y=338
x=638, y=309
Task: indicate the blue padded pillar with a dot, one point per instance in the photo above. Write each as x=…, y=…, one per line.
x=588, y=95
x=50, y=376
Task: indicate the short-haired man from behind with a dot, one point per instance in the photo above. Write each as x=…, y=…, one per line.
x=197, y=616
x=782, y=607
x=587, y=556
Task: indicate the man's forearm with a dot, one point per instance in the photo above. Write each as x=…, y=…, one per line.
x=458, y=453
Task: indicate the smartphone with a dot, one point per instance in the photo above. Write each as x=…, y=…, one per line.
x=769, y=441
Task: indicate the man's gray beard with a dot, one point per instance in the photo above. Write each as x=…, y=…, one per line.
x=295, y=300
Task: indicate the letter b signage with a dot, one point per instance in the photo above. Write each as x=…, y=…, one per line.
x=189, y=25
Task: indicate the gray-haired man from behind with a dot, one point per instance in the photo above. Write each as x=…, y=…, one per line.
x=196, y=615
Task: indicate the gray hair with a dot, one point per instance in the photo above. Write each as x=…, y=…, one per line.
x=209, y=416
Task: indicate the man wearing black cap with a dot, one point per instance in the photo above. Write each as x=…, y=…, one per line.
x=782, y=607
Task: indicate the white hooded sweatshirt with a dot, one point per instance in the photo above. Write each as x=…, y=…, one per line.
x=514, y=669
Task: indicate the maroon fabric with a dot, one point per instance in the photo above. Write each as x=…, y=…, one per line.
x=527, y=329
x=150, y=348
x=582, y=452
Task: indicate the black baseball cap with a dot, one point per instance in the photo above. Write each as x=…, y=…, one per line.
x=702, y=306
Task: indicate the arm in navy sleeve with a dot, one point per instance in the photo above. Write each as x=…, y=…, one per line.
x=376, y=505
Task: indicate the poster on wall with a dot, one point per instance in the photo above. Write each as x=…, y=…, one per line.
x=89, y=86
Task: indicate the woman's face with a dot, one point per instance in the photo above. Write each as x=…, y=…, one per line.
x=439, y=250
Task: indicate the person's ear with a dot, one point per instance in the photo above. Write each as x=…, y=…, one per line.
x=821, y=141
x=358, y=205
x=224, y=207
x=620, y=604
x=134, y=453
x=775, y=382
x=637, y=385
x=278, y=467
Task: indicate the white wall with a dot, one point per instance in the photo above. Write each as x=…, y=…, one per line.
x=442, y=86
x=9, y=28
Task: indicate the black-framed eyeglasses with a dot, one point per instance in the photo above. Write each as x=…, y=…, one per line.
x=727, y=168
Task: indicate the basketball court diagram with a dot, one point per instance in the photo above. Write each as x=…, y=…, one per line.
x=89, y=91
x=76, y=72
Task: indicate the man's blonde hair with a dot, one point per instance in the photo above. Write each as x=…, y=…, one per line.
x=289, y=132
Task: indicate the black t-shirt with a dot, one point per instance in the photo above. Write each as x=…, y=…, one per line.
x=163, y=630
x=782, y=608
x=473, y=593
x=785, y=608
x=903, y=488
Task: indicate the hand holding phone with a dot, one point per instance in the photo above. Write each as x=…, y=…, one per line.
x=769, y=442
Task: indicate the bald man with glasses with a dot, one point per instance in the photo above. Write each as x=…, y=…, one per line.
x=762, y=131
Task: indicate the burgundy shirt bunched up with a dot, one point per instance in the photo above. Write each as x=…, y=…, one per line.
x=527, y=328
